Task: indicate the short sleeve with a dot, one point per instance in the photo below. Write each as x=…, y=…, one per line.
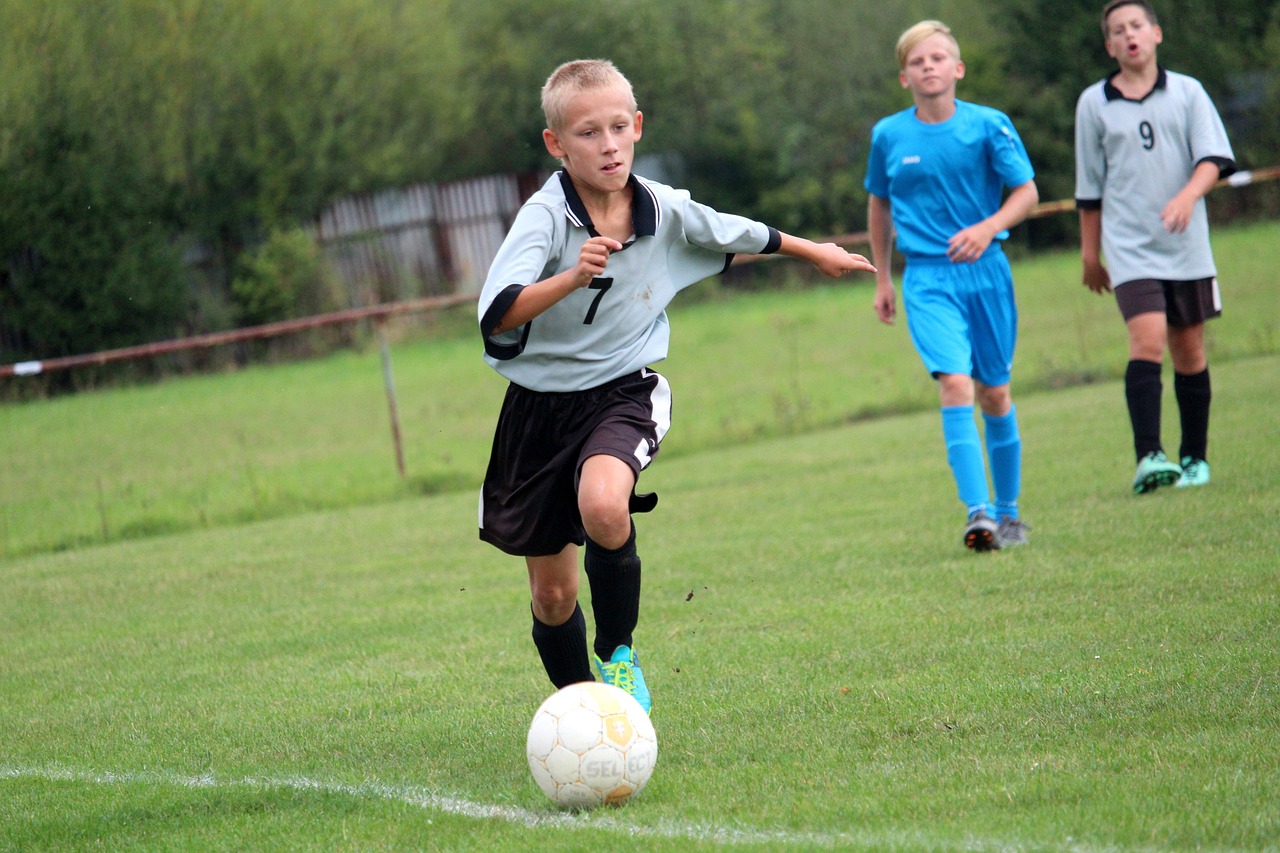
x=1091, y=164
x=526, y=252
x=877, y=179
x=1008, y=155
x=1208, y=136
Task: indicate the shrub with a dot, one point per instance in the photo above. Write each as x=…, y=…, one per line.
x=283, y=278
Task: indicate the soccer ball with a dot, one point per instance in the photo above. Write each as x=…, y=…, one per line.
x=589, y=744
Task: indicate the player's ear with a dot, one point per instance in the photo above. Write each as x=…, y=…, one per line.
x=639, y=125
x=554, y=148
x=902, y=79
x=959, y=69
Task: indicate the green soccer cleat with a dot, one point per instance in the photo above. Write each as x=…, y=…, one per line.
x=623, y=671
x=1154, y=471
x=981, y=533
x=1013, y=531
x=1195, y=472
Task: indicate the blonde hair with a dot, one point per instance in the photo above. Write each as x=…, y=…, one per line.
x=911, y=39
x=575, y=77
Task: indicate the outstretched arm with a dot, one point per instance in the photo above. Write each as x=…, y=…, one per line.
x=827, y=257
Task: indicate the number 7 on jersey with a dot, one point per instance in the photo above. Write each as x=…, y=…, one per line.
x=602, y=285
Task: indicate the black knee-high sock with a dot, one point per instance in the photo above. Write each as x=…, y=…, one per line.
x=1142, y=390
x=1193, y=393
x=614, y=577
x=563, y=649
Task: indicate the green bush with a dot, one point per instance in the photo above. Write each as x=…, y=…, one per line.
x=284, y=278
x=88, y=259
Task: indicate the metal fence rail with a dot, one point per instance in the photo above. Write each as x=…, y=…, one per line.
x=1044, y=208
x=248, y=333
x=462, y=224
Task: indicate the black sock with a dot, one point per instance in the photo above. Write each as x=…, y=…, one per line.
x=614, y=577
x=1193, y=393
x=1142, y=390
x=563, y=649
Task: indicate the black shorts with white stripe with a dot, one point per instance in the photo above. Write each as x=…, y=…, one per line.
x=529, y=500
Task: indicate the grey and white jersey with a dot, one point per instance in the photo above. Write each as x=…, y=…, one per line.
x=618, y=323
x=1132, y=158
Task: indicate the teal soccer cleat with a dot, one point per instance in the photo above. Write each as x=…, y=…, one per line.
x=1195, y=472
x=623, y=671
x=1154, y=471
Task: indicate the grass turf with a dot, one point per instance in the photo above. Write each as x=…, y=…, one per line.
x=830, y=668
x=268, y=442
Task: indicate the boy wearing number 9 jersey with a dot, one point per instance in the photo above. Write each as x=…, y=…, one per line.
x=1149, y=146
x=572, y=314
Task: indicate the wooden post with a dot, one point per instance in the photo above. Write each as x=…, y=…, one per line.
x=390, y=384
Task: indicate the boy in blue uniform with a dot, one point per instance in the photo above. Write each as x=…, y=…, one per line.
x=1149, y=146
x=936, y=174
x=572, y=313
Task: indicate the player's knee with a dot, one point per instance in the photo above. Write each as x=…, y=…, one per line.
x=1147, y=343
x=554, y=603
x=1139, y=351
x=607, y=523
x=1187, y=353
x=955, y=389
x=995, y=401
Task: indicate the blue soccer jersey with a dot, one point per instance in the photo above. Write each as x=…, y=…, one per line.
x=942, y=178
x=617, y=324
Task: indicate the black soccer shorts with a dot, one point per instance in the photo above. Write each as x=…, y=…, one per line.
x=1184, y=303
x=529, y=500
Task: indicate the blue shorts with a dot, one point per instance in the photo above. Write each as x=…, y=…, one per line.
x=963, y=317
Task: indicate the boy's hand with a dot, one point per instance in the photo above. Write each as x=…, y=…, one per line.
x=835, y=261
x=968, y=245
x=1177, y=213
x=593, y=258
x=1096, y=278
x=886, y=301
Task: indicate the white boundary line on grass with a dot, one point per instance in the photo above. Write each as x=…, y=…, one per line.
x=430, y=801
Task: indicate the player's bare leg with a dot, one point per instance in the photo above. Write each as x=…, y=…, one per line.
x=559, y=627
x=553, y=585
x=604, y=495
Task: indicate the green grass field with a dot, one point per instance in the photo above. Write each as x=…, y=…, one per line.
x=227, y=624
x=268, y=442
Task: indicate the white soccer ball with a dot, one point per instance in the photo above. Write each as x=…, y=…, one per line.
x=590, y=744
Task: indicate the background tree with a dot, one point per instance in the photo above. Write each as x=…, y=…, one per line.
x=150, y=150
x=1053, y=49
x=85, y=217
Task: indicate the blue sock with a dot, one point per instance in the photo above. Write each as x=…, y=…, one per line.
x=964, y=453
x=1004, y=449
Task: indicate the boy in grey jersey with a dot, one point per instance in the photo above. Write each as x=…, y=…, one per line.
x=572, y=313
x=1149, y=146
